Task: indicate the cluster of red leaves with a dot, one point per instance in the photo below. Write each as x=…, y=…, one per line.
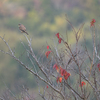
x=92, y=22
x=59, y=38
x=47, y=52
x=82, y=83
x=98, y=66
x=62, y=72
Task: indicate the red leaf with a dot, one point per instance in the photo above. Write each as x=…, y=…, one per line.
x=82, y=83
x=98, y=66
x=48, y=47
x=47, y=86
x=63, y=71
x=47, y=53
x=57, y=35
x=92, y=22
x=66, y=75
x=59, y=40
x=59, y=79
x=56, y=67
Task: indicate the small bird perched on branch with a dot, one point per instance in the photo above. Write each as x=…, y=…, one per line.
x=22, y=28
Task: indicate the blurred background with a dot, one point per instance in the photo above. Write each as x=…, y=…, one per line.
x=42, y=19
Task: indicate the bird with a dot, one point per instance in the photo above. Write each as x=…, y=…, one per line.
x=22, y=28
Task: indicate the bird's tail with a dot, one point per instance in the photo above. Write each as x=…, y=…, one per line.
x=26, y=32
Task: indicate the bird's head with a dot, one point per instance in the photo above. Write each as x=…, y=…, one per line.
x=19, y=24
